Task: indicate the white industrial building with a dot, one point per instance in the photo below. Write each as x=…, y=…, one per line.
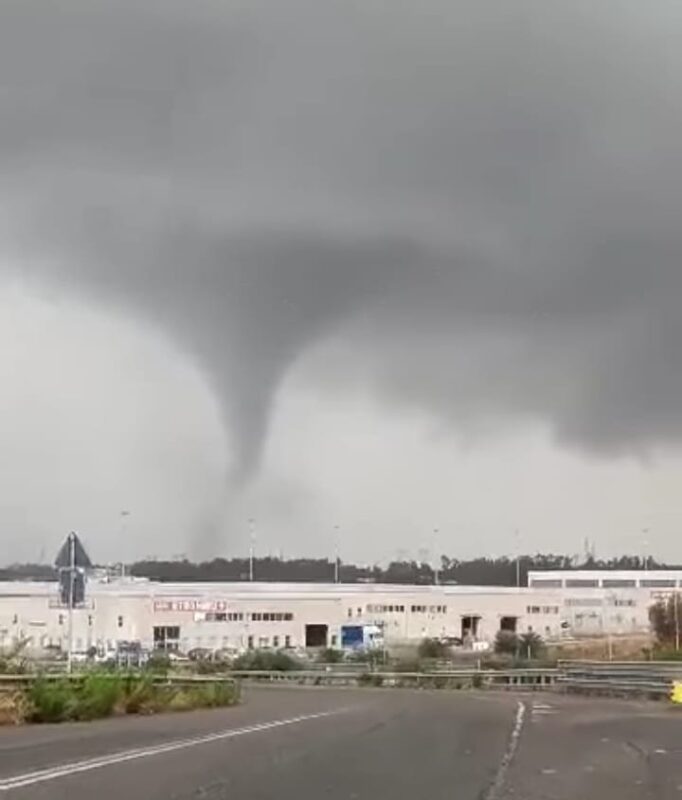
x=183, y=616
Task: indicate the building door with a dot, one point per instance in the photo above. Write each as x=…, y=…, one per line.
x=316, y=635
x=470, y=627
x=167, y=638
x=509, y=624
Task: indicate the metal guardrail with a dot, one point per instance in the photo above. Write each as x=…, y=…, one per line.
x=632, y=678
x=519, y=678
x=15, y=681
x=626, y=678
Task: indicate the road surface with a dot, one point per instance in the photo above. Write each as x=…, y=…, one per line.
x=308, y=744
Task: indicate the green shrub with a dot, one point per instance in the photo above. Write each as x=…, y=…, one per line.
x=666, y=654
x=371, y=679
x=97, y=697
x=266, y=661
x=158, y=663
x=102, y=694
x=330, y=655
x=531, y=645
x=210, y=695
x=506, y=642
x=408, y=665
x=140, y=696
x=206, y=667
x=477, y=681
x=50, y=701
x=432, y=648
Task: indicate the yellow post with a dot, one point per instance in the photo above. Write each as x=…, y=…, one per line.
x=676, y=694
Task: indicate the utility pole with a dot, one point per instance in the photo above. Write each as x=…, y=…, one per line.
x=676, y=614
x=436, y=576
x=336, y=553
x=72, y=578
x=518, y=559
x=252, y=546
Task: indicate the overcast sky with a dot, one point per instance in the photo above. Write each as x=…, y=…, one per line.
x=391, y=266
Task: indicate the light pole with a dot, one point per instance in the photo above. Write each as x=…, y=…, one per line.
x=518, y=558
x=124, y=531
x=645, y=548
x=252, y=546
x=436, y=531
x=336, y=553
x=72, y=577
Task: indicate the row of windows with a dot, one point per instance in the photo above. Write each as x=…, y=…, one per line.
x=255, y=616
x=542, y=609
x=119, y=620
x=583, y=602
x=398, y=609
x=607, y=583
x=596, y=602
x=264, y=641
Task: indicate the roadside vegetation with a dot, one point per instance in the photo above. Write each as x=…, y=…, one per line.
x=666, y=622
x=104, y=694
x=267, y=661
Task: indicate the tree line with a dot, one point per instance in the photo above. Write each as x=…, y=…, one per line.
x=483, y=571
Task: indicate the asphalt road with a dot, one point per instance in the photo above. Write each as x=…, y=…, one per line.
x=309, y=744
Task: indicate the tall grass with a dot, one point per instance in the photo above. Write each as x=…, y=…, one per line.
x=103, y=694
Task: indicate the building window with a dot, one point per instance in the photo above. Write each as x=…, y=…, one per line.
x=617, y=583
x=287, y=641
x=275, y=641
x=166, y=637
x=263, y=641
x=212, y=616
x=547, y=583
x=334, y=640
x=657, y=583
x=60, y=619
x=120, y=622
x=584, y=583
x=90, y=620
x=350, y=613
x=249, y=642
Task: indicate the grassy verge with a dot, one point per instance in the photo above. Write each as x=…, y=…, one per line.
x=104, y=694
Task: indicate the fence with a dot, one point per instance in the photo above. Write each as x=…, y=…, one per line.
x=626, y=678
x=632, y=678
x=10, y=682
x=453, y=679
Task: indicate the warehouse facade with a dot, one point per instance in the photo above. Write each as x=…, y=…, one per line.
x=242, y=616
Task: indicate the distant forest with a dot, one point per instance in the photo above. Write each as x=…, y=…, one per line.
x=475, y=572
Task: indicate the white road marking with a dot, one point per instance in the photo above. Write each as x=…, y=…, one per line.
x=496, y=787
x=542, y=710
x=74, y=767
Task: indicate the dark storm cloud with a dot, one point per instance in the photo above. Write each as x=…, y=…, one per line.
x=478, y=202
